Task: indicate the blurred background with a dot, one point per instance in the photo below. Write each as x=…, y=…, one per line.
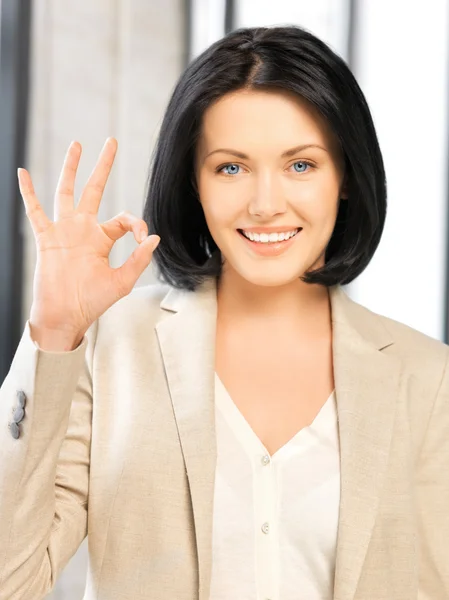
x=90, y=69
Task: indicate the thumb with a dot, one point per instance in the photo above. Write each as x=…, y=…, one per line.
x=150, y=243
x=132, y=269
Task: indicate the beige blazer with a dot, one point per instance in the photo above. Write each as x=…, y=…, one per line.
x=118, y=443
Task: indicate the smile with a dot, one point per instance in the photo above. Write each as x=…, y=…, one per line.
x=268, y=238
x=271, y=244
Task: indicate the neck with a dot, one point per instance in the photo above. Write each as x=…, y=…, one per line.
x=295, y=306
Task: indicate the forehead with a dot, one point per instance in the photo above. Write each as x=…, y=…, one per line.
x=263, y=117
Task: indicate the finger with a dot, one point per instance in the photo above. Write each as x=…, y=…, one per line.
x=65, y=189
x=127, y=275
x=91, y=196
x=34, y=211
x=116, y=227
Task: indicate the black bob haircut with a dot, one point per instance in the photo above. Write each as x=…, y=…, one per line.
x=261, y=58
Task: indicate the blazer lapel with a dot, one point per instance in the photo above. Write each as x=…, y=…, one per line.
x=366, y=383
x=367, y=386
x=187, y=341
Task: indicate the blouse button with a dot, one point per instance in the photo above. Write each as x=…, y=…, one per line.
x=265, y=528
x=265, y=460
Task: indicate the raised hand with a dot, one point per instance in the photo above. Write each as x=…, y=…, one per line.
x=73, y=281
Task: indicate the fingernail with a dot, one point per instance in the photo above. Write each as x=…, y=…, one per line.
x=143, y=236
x=155, y=243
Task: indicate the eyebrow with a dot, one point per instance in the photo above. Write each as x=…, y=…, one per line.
x=285, y=154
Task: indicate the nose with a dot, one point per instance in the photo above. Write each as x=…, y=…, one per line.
x=267, y=198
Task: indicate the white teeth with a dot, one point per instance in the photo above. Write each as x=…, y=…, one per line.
x=271, y=237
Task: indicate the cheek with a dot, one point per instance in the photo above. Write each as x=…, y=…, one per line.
x=221, y=202
x=216, y=211
x=318, y=204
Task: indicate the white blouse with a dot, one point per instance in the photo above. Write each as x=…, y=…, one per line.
x=275, y=517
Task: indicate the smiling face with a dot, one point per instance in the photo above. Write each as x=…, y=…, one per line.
x=266, y=160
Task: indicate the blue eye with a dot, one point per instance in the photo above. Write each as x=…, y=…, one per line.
x=301, y=162
x=233, y=169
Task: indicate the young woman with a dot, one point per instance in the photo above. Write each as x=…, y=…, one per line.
x=240, y=429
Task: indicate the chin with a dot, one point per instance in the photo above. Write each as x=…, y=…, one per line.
x=270, y=272
x=269, y=277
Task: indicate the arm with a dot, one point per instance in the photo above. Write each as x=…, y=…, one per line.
x=44, y=473
x=433, y=500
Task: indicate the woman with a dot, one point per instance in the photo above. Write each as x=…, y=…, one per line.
x=240, y=429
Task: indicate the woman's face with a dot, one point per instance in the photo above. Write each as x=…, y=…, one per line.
x=252, y=174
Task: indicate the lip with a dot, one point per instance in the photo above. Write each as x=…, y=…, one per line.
x=273, y=249
x=278, y=229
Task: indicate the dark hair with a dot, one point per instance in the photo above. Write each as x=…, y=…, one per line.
x=285, y=58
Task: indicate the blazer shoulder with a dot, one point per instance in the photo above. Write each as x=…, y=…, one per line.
x=410, y=337
x=419, y=351
x=390, y=335
x=424, y=358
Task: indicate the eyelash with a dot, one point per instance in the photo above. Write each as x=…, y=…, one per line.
x=221, y=167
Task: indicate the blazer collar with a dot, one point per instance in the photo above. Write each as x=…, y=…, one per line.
x=366, y=383
x=359, y=320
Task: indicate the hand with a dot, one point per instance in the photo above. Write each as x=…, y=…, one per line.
x=73, y=282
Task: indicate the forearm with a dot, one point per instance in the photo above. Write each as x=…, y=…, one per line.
x=28, y=463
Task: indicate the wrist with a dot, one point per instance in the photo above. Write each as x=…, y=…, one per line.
x=55, y=340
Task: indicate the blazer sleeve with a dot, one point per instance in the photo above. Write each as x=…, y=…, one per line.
x=433, y=499
x=45, y=432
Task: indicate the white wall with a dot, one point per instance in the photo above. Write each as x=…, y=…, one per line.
x=402, y=67
x=207, y=24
